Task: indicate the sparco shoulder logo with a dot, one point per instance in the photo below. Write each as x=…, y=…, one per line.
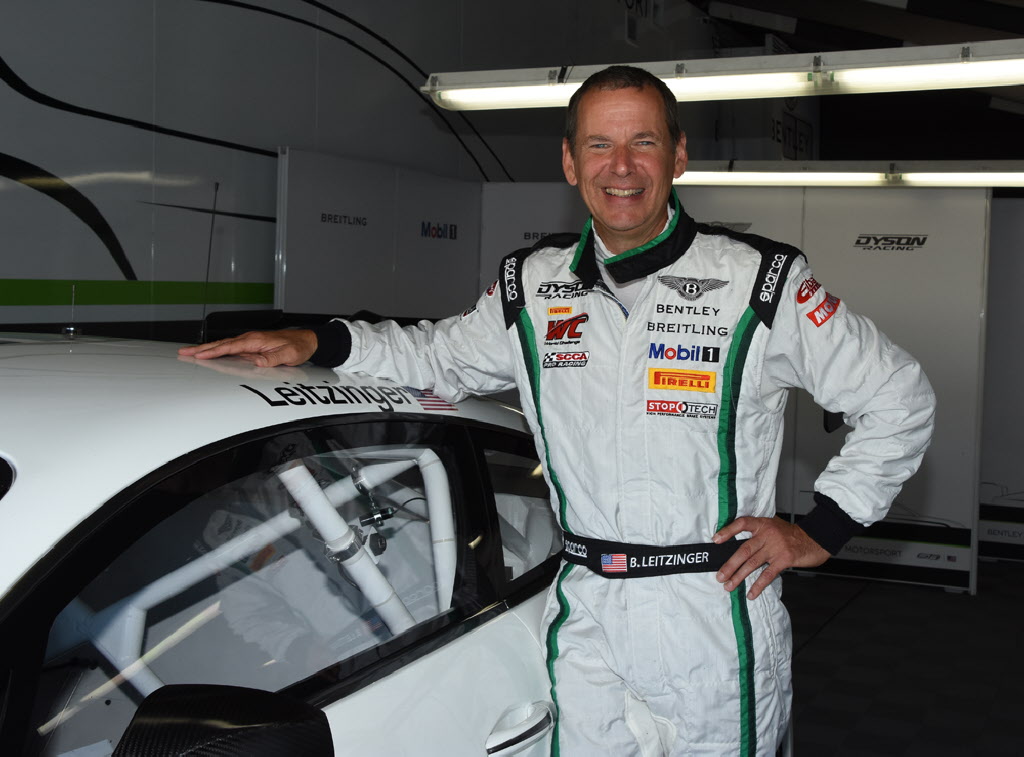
x=691, y=289
x=704, y=410
x=566, y=331
x=548, y=290
x=890, y=242
x=509, y=273
x=771, y=279
x=566, y=359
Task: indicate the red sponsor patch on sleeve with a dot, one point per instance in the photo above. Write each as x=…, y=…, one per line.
x=807, y=289
x=825, y=310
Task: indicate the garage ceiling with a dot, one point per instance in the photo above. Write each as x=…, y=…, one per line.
x=947, y=125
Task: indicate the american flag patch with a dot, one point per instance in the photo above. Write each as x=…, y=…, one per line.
x=430, y=401
x=613, y=563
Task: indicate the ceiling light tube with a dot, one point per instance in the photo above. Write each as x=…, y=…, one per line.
x=782, y=179
x=978, y=64
x=968, y=73
x=962, y=179
x=756, y=173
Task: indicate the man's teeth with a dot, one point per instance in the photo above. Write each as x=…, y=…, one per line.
x=622, y=192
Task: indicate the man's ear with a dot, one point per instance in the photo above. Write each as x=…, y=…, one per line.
x=681, y=157
x=568, y=164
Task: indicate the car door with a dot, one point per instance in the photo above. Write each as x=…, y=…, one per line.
x=390, y=570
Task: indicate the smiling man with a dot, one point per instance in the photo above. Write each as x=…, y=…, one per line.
x=622, y=154
x=658, y=414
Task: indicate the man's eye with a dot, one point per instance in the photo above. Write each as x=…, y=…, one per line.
x=599, y=145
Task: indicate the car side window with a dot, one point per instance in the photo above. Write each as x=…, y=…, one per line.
x=280, y=557
x=529, y=529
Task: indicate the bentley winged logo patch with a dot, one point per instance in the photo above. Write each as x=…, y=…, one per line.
x=691, y=289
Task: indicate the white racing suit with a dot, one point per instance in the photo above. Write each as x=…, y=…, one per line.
x=659, y=427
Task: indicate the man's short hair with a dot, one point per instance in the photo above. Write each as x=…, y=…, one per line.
x=620, y=77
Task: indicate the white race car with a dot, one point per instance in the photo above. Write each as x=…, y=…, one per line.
x=276, y=561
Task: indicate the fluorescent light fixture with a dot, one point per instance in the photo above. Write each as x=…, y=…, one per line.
x=497, y=98
x=967, y=73
x=753, y=173
x=741, y=86
x=782, y=179
x=990, y=179
x=998, y=63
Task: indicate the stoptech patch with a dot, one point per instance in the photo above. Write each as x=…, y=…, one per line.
x=679, y=409
x=565, y=359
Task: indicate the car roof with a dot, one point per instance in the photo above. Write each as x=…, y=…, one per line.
x=82, y=419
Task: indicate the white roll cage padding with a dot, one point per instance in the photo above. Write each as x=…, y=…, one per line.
x=118, y=631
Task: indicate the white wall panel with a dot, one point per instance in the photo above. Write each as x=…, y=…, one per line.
x=437, y=237
x=337, y=255
x=1002, y=447
x=927, y=295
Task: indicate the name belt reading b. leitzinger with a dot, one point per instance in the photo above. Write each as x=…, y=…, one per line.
x=613, y=559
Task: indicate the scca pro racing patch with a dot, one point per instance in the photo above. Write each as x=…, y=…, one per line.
x=678, y=409
x=566, y=359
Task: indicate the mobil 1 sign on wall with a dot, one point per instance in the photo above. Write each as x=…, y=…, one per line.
x=914, y=261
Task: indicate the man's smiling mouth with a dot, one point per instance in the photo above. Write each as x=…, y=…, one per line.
x=622, y=192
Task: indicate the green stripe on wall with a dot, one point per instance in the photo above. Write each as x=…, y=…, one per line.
x=24, y=292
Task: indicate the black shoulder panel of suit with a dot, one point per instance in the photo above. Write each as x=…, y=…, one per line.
x=776, y=260
x=510, y=274
x=510, y=280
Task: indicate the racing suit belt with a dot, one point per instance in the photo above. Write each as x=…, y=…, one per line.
x=613, y=559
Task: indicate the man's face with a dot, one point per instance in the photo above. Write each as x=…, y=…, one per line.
x=624, y=164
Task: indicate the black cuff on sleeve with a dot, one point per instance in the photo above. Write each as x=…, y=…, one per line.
x=333, y=344
x=829, y=525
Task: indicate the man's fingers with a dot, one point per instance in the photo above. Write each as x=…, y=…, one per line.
x=769, y=574
x=234, y=346
x=263, y=348
x=743, y=562
x=774, y=543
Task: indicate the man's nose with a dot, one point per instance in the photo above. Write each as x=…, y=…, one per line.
x=622, y=161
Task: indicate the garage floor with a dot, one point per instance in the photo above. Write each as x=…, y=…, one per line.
x=894, y=669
